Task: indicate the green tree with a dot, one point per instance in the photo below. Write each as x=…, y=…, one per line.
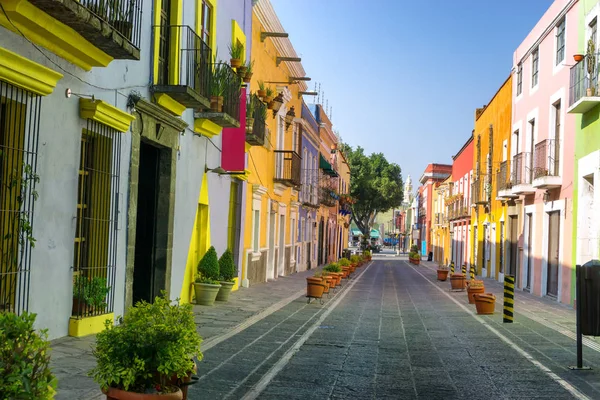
x=375, y=184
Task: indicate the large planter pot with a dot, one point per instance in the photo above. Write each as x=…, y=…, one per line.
x=261, y=93
x=442, y=274
x=206, y=293
x=118, y=394
x=485, y=303
x=331, y=281
x=235, y=62
x=224, y=291
x=314, y=287
x=458, y=282
x=471, y=291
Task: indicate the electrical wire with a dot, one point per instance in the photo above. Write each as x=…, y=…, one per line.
x=59, y=66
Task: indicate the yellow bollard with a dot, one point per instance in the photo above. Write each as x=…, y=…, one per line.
x=509, y=298
x=452, y=267
x=472, y=272
x=464, y=270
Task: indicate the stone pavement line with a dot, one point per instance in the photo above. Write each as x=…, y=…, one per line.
x=567, y=386
x=284, y=360
x=209, y=343
x=542, y=321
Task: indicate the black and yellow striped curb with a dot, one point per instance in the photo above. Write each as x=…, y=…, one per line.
x=509, y=298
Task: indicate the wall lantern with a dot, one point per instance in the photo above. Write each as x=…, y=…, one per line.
x=546, y=196
x=277, y=103
x=289, y=117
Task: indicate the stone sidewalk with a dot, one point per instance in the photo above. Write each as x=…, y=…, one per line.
x=72, y=358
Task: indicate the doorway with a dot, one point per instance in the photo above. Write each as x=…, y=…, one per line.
x=271, y=260
x=553, y=246
x=529, y=260
x=513, y=245
x=149, y=270
x=281, y=254
x=320, y=243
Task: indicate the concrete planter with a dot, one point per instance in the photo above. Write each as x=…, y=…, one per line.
x=206, y=293
x=225, y=291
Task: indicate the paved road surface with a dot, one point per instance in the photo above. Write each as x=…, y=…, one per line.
x=392, y=333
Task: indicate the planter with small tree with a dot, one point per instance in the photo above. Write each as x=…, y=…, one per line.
x=228, y=272
x=218, y=84
x=248, y=74
x=236, y=52
x=207, y=285
x=261, y=92
x=24, y=359
x=269, y=98
x=334, y=270
x=150, y=354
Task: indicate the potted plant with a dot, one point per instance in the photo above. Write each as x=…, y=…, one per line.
x=249, y=67
x=485, y=303
x=89, y=293
x=24, y=359
x=261, y=92
x=269, y=97
x=149, y=353
x=474, y=286
x=591, y=66
x=217, y=88
x=249, y=115
x=442, y=273
x=367, y=255
x=578, y=57
x=228, y=272
x=355, y=259
x=344, y=262
x=236, y=52
x=277, y=102
x=458, y=281
x=334, y=270
x=207, y=285
x=315, y=287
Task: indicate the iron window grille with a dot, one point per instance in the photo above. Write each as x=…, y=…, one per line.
x=19, y=138
x=95, y=243
x=535, y=59
x=560, y=42
x=519, y=79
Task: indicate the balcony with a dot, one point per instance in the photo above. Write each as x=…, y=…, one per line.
x=504, y=183
x=522, y=173
x=546, y=165
x=478, y=192
x=327, y=196
x=224, y=97
x=309, y=195
x=287, y=167
x=256, y=121
x=112, y=26
x=183, y=75
x=583, y=94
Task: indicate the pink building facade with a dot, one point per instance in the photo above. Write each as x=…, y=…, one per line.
x=459, y=204
x=542, y=150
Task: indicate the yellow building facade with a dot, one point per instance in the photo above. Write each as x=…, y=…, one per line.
x=271, y=202
x=491, y=174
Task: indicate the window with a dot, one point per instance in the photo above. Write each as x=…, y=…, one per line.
x=256, y=231
x=560, y=42
x=593, y=30
x=534, y=66
x=233, y=219
x=95, y=241
x=19, y=131
x=519, y=79
x=205, y=21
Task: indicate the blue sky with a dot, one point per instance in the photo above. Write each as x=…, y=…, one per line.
x=404, y=77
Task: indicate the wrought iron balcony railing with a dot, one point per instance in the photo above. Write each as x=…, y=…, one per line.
x=255, y=122
x=184, y=75
x=522, y=169
x=502, y=177
x=327, y=196
x=309, y=195
x=287, y=167
x=225, y=95
x=580, y=83
x=116, y=20
x=478, y=191
x=546, y=158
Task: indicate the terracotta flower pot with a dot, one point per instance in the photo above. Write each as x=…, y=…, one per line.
x=331, y=281
x=248, y=77
x=458, y=281
x=268, y=99
x=261, y=93
x=314, y=287
x=485, y=303
x=578, y=57
x=235, y=62
x=442, y=274
x=216, y=103
x=241, y=71
x=471, y=291
x=118, y=394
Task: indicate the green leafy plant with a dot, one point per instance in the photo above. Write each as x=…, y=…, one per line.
x=344, y=262
x=261, y=85
x=249, y=67
x=318, y=274
x=236, y=50
x=154, y=344
x=355, y=259
x=250, y=106
x=218, y=81
x=91, y=290
x=208, y=268
x=24, y=359
x=227, y=267
x=367, y=253
x=333, y=267
x=269, y=92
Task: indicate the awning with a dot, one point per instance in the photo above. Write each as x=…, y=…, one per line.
x=374, y=234
x=326, y=167
x=356, y=232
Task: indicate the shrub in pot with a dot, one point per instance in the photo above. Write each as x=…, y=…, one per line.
x=228, y=272
x=89, y=293
x=335, y=271
x=345, y=263
x=150, y=352
x=356, y=259
x=207, y=283
x=24, y=359
x=367, y=255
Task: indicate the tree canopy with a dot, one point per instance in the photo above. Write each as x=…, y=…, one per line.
x=375, y=184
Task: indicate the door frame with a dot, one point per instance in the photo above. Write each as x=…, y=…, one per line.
x=548, y=208
x=528, y=248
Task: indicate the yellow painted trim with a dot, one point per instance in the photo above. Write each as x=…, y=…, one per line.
x=156, y=33
x=169, y=104
x=204, y=191
x=52, y=34
x=243, y=176
x=213, y=24
x=26, y=74
x=104, y=113
x=247, y=146
x=89, y=325
x=238, y=35
x=177, y=11
x=236, y=284
x=206, y=127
